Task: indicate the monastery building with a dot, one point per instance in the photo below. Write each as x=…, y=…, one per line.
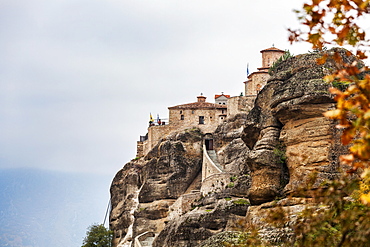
x=205, y=115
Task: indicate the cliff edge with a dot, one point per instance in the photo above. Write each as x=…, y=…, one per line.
x=171, y=197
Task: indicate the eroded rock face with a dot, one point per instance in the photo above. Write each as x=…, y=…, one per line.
x=231, y=150
x=143, y=190
x=275, y=233
x=170, y=169
x=209, y=216
x=272, y=152
x=286, y=131
x=124, y=192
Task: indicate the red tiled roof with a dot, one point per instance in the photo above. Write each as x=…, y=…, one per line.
x=199, y=105
x=219, y=95
x=257, y=72
x=272, y=49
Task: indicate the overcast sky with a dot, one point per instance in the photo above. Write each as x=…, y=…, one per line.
x=79, y=78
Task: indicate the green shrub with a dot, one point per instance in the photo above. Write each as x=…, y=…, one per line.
x=230, y=185
x=284, y=57
x=279, y=151
x=241, y=202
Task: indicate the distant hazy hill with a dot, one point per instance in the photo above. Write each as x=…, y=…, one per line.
x=43, y=209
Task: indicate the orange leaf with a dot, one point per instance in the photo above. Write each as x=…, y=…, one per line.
x=322, y=59
x=365, y=198
x=347, y=136
x=347, y=159
x=333, y=114
x=361, y=55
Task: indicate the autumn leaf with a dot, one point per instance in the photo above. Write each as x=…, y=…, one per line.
x=315, y=39
x=322, y=59
x=365, y=198
x=347, y=159
x=333, y=114
x=347, y=136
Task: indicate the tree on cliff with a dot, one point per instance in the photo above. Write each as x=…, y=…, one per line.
x=98, y=236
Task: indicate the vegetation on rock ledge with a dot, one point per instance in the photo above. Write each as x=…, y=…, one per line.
x=284, y=57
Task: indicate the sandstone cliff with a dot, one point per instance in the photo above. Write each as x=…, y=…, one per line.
x=264, y=156
x=143, y=190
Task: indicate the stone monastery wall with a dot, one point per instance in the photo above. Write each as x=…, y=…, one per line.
x=217, y=182
x=182, y=204
x=269, y=56
x=239, y=104
x=155, y=134
x=256, y=83
x=190, y=118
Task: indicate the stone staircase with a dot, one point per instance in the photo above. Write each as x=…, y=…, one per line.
x=213, y=156
x=144, y=239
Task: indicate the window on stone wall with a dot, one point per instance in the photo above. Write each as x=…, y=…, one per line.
x=182, y=117
x=192, y=112
x=201, y=119
x=180, y=112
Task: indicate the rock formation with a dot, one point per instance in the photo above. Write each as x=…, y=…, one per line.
x=143, y=190
x=270, y=153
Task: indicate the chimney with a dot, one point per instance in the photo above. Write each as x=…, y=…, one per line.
x=201, y=98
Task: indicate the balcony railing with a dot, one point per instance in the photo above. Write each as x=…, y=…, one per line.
x=161, y=121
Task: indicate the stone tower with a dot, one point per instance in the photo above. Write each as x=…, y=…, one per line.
x=257, y=80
